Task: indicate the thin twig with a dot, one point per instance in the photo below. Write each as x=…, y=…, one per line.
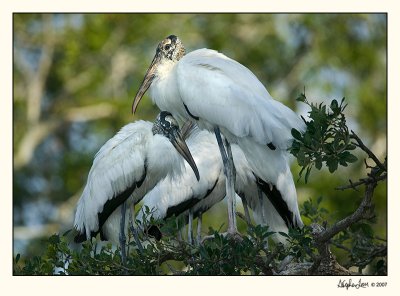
x=369, y=152
x=363, y=181
x=337, y=245
x=381, y=251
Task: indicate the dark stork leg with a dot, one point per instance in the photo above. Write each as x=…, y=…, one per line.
x=122, y=237
x=134, y=229
x=190, y=227
x=229, y=172
x=199, y=222
x=262, y=204
x=179, y=234
x=261, y=200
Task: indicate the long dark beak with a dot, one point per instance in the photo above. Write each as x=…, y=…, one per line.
x=183, y=149
x=148, y=79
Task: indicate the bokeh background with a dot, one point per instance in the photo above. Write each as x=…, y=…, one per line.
x=75, y=76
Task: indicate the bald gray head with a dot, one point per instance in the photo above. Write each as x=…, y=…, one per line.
x=170, y=49
x=167, y=126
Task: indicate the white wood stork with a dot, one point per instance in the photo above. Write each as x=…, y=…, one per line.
x=128, y=166
x=220, y=94
x=183, y=195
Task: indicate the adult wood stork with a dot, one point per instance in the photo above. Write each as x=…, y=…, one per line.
x=220, y=94
x=128, y=166
x=181, y=194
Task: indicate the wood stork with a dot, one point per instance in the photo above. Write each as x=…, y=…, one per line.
x=128, y=166
x=220, y=94
x=183, y=195
x=176, y=194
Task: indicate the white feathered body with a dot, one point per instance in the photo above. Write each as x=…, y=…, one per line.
x=132, y=156
x=170, y=193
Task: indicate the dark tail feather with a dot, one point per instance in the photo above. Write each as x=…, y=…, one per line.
x=277, y=201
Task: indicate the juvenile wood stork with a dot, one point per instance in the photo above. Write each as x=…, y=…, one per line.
x=220, y=94
x=128, y=166
x=182, y=195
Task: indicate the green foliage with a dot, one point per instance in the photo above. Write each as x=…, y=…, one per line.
x=363, y=248
x=326, y=138
x=219, y=254
x=312, y=210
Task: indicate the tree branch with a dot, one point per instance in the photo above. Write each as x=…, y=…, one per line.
x=360, y=213
x=31, y=139
x=39, y=131
x=38, y=81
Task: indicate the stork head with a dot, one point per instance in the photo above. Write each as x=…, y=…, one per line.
x=170, y=49
x=167, y=126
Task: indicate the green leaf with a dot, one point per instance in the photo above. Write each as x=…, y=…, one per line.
x=284, y=234
x=17, y=258
x=350, y=158
x=54, y=239
x=351, y=147
x=301, y=98
x=301, y=158
x=332, y=164
x=296, y=134
x=319, y=199
x=318, y=163
x=66, y=233
x=307, y=173
x=334, y=105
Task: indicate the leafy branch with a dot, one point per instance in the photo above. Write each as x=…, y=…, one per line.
x=326, y=139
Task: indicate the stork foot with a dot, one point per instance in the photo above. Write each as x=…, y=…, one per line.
x=234, y=235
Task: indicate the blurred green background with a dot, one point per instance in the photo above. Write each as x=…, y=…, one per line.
x=75, y=76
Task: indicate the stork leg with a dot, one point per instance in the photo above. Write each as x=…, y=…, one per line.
x=199, y=222
x=122, y=237
x=134, y=229
x=229, y=171
x=190, y=227
x=261, y=200
x=263, y=219
x=179, y=234
x=246, y=211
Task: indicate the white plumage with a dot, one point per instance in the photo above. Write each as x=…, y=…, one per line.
x=129, y=165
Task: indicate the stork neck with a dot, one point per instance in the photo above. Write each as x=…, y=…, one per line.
x=165, y=68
